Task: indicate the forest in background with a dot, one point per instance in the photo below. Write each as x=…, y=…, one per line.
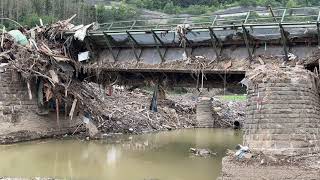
x=28, y=12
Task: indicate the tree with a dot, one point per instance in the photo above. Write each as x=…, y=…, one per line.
x=247, y=3
x=170, y=8
x=291, y=4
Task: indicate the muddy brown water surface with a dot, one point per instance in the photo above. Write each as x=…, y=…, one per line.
x=158, y=156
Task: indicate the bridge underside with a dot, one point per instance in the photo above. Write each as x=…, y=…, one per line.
x=201, y=69
x=171, y=79
x=210, y=56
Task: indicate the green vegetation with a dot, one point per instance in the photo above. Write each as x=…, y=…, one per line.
x=122, y=12
x=233, y=98
x=28, y=12
x=196, y=7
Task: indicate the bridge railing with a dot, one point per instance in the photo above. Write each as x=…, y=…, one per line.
x=281, y=26
x=305, y=14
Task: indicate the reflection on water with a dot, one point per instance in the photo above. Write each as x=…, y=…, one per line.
x=160, y=156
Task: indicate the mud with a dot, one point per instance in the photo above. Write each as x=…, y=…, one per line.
x=260, y=169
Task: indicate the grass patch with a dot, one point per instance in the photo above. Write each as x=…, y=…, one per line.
x=233, y=98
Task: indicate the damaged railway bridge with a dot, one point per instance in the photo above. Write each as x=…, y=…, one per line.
x=215, y=52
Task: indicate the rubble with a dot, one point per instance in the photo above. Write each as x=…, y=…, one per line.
x=128, y=112
x=48, y=62
x=202, y=152
x=228, y=114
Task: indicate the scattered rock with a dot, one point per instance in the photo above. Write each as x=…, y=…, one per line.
x=247, y=156
x=226, y=113
x=201, y=152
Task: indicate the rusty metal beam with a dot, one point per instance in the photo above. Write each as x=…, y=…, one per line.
x=158, y=48
x=215, y=36
x=318, y=28
x=214, y=43
x=132, y=39
x=110, y=47
x=246, y=36
x=133, y=42
x=272, y=14
x=157, y=37
x=284, y=42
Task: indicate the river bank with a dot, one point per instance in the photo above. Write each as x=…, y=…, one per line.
x=260, y=166
x=124, y=112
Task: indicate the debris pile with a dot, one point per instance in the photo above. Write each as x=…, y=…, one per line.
x=46, y=60
x=228, y=114
x=130, y=112
x=202, y=152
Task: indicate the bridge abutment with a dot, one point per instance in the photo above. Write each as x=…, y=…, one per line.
x=282, y=115
x=19, y=120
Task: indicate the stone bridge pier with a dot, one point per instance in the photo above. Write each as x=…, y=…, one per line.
x=204, y=112
x=282, y=114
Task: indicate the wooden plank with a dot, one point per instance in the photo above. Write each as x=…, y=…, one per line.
x=73, y=107
x=58, y=113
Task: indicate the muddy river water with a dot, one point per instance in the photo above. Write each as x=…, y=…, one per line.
x=158, y=156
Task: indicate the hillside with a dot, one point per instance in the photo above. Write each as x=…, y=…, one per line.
x=28, y=12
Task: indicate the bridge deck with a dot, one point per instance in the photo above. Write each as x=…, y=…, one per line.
x=216, y=45
x=257, y=25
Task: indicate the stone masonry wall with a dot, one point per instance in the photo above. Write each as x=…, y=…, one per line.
x=18, y=118
x=282, y=115
x=14, y=96
x=204, y=113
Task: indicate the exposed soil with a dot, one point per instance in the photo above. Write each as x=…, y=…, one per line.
x=232, y=170
x=261, y=166
x=30, y=126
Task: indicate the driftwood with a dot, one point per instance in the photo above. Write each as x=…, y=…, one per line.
x=73, y=108
x=29, y=90
x=44, y=59
x=2, y=36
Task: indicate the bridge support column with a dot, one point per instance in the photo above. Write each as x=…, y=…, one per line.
x=282, y=115
x=204, y=113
